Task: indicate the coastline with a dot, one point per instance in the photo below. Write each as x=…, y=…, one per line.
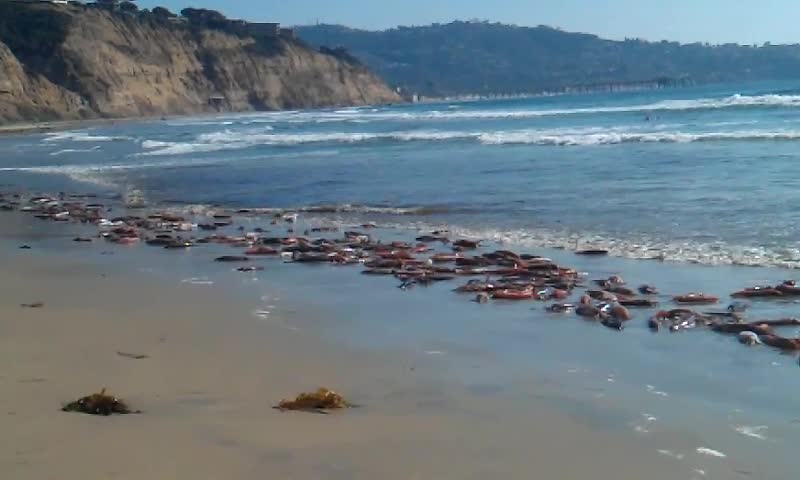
x=447, y=388
x=214, y=371
x=24, y=128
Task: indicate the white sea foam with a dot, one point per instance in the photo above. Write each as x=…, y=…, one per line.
x=148, y=144
x=74, y=150
x=670, y=453
x=198, y=281
x=98, y=174
x=235, y=140
x=185, y=148
x=752, y=432
x=643, y=426
x=710, y=452
x=80, y=137
x=458, y=112
x=733, y=101
x=652, y=389
x=352, y=208
x=645, y=247
x=103, y=173
x=633, y=246
x=614, y=138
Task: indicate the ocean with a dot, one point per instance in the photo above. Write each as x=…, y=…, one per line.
x=690, y=189
x=703, y=175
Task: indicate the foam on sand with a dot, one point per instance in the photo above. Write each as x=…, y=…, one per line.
x=752, y=432
x=633, y=246
x=710, y=452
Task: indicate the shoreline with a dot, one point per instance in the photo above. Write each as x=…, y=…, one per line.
x=23, y=128
x=213, y=372
x=63, y=125
x=447, y=387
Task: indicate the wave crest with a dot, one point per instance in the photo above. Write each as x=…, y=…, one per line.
x=230, y=140
x=356, y=115
x=80, y=137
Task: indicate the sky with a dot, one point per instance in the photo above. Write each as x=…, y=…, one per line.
x=713, y=21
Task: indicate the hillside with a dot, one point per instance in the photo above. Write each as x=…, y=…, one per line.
x=481, y=58
x=61, y=62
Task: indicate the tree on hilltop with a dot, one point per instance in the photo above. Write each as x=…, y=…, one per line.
x=162, y=12
x=128, y=6
x=205, y=18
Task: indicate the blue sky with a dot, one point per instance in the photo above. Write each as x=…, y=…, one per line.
x=715, y=21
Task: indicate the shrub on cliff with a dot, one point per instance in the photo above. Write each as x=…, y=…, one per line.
x=202, y=17
x=341, y=53
x=163, y=13
x=32, y=32
x=128, y=7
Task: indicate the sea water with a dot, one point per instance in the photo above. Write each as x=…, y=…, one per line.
x=688, y=189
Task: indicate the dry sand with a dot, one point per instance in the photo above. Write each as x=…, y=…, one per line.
x=212, y=375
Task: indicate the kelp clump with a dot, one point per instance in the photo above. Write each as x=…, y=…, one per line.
x=99, y=404
x=320, y=401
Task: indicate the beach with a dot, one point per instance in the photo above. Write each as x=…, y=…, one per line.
x=444, y=386
x=212, y=374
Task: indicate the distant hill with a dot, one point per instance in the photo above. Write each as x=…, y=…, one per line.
x=483, y=58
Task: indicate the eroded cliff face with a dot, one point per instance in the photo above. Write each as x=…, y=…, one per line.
x=107, y=64
x=27, y=96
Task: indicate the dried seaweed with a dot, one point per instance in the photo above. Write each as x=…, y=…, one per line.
x=320, y=401
x=99, y=404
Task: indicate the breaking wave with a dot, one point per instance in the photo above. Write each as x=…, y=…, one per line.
x=233, y=140
x=80, y=137
x=614, y=138
x=449, y=113
x=734, y=101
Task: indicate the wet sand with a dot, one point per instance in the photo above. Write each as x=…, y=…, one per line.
x=25, y=128
x=212, y=375
x=42, y=127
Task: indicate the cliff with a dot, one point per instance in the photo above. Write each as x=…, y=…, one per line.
x=73, y=62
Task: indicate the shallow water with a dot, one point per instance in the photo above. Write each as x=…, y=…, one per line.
x=701, y=174
x=707, y=180
x=692, y=396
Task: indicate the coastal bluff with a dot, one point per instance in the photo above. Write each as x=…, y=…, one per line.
x=74, y=62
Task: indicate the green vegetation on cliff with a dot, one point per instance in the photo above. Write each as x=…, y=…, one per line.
x=491, y=58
